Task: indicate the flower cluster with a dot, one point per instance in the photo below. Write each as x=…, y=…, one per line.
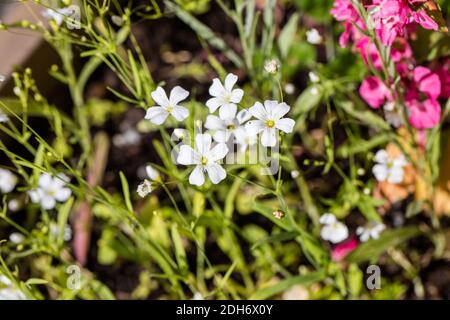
x=337, y=233
x=50, y=190
x=225, y=130
x=394, y=22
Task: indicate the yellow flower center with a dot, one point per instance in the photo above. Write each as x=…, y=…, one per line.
x=231, y=127
x=270, y=123
x=204, y=161
x=169, y=109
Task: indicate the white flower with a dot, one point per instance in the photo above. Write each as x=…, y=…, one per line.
x=152, y=173
x=158, y=114
x=224, y=96
x=313, y=77
x=371, y=230
x=144, y=188
x=289, y=88
x=14, y=205
x=8, y=181
x=313, y=36
x=58, y=15
x=67, y=235
x=388, y=169
x=229, y=125
x=16, y=237
x=50, y=189
x=295, y=174
x=205, y=158
x=2, y=77
x=269, y=120
x=8, y=291
x=271, y=66
x=3, y=117
x=332, y=230
x=130, y=137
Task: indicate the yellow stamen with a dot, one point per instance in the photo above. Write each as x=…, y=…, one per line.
x=204, y=161
x=270, y=123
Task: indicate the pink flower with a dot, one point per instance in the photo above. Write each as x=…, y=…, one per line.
x=427, y=82
x=341, y=250
x=424, y=114
x=343, y=10
x=389, y=19
x=421, y=99
x=422, y=18
x=374, y=92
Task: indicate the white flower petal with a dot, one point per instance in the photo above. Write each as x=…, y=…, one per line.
x=236, y=95
x=228, y=111
x=230, y=81
x=243, y=115
x=34, y=196
x=271, y=106
x=269, y=137
x=180, y=113
x=177, y=95
x=45, y=180
x=258, y=111
x=327, y=218
x=213, y=104
x=335, y=232
x=216, y=89
x=48, y=202
x=188, y=156
x=395, y=175
x=279, y=111
x=286, y=125
x=381, y=156
x=218, y=152
x=197, y=177
x=160, y=97
x=216, y=173
x=255, y=126
x=203, y=143
x=380, y=171
x=152, y=173
x=63, y=194
x=364, y=236
x=214, y=123
x=156, y=115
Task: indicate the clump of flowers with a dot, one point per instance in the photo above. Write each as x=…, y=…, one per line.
x=393, y=23
x=50, y=190
x=231, y=127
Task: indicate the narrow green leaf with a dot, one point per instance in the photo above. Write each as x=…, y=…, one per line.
x=373, y=248
x=287, y=35
x=126, y=191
